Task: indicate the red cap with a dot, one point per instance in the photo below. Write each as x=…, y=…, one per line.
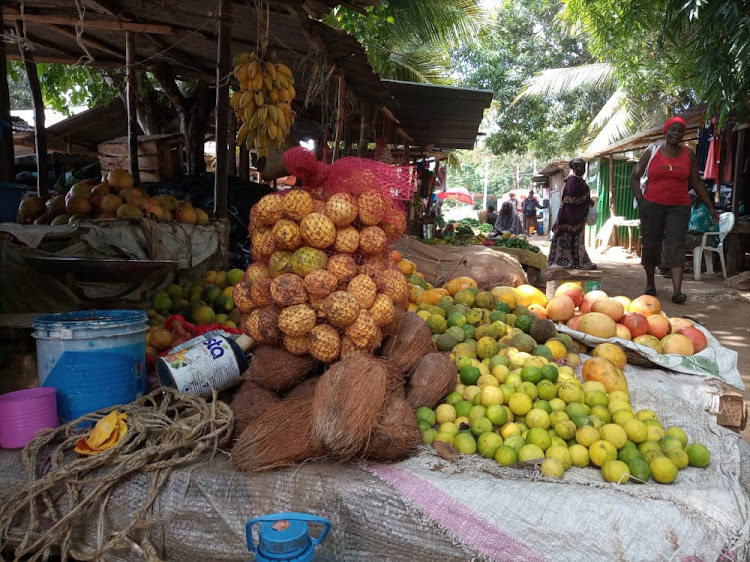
x=672, y=121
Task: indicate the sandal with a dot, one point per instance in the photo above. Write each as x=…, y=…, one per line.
x=651, y=291
x=679, y=298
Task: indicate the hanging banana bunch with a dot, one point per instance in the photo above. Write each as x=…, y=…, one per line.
x=264, y=102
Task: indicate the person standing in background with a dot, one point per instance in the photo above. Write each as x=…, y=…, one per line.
x=568, y=248
x=529, y=207
x=507, y=220
x=664, y=207
x=491, y=215
x=513, y=201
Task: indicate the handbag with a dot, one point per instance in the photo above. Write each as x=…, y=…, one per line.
x=593, y=216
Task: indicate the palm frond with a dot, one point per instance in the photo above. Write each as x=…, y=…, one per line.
x=613, y=104
x=560, y=81
x=416, y=65
x=617, y=127
x=436, y=21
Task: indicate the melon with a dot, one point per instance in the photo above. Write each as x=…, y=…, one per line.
x=598, y=325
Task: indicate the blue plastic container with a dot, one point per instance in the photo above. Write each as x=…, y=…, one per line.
x=10, y=198
x=284, y=537
x=94, y=358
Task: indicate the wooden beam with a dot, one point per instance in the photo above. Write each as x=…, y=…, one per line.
x=103, y=63
x=223, y=67
x=99, y=45
x=7, y=173
x=387, y=112
x=40, y=132
x=92, y=23
x=339, y=116
x=131, y=93
x=179, y=56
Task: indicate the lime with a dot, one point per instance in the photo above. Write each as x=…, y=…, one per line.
x=550, y=372
x=678, y=434
x=480, y=426
x=464, y=443
x=528, y=388
x=423, y=426
x=456, y=319
x=515, y=441
x=698, y=455
x=537, y=418
x=596, y=398
x=469, y=375
x=678, y=457
x=429, y=436
x=565, y=429
x=553, y=468
x=668, y=443
x=502, y=306
x=602, y=413
x=627, y=454
x=579, y=455
x=506, y=456
x=543, y=405
x=469, y=331
x=448, y=428
x=427, y=415
x=530, y=452
x=453, y=398
x=615, y=471
x=497, y=414
x=445, y=413
x=539, y=437
x=523, y=323
x=463, y=408
x=640, y=473
x=488, y=444
x=531, y=373
x=561, y=453
x=649, y=456
x=477, y=411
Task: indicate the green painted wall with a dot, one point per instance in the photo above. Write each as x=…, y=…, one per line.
x=623, y=195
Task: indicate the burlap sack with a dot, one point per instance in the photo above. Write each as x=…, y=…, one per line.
x=440, y=264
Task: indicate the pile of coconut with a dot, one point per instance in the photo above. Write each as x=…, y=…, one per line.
x=291, y=408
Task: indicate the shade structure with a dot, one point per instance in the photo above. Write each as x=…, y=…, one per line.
x=459, y=194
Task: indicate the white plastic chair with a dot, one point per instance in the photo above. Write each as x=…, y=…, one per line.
x=726, y=224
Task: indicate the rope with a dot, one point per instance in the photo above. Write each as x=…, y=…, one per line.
x=166, y=429
x=79, y=34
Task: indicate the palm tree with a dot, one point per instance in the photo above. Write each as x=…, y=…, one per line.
x=410, y=39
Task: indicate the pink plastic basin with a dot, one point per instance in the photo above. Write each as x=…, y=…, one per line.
x=23, y=413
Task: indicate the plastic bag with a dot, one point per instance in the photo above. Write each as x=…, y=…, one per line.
x=593, y=216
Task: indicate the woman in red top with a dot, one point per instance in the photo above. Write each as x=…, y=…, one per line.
x=664, y=207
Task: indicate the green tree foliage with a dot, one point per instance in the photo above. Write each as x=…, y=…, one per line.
x=678, y=52
x=523, y=38
x=411, y=39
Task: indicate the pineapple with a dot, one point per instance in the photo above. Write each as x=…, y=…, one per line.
x=297, y=204
x=347, y=240
x=341, y=209
x=372, y=240
x=288, y=289
x=383, y=310
x=269, y=210
x=318, y=231
x=307, y=260
x=297, y=320
x=372, y=207
x=341, y=308
x=286, y=234
x=364, y=290
x=325, y=343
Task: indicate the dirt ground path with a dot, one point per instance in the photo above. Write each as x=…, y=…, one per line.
x=723, y=311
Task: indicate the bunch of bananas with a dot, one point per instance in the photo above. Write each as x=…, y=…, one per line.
x=263, y=104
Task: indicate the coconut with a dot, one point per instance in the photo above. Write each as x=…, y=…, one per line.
x=410, y=343
x=274, y=368
x=282, y=435
x=249, y=402
x=433, y=379
x=350, y=398
x=305, y=388
x=395, y=434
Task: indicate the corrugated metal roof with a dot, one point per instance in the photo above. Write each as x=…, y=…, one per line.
x=439, y=116
x=191, y=46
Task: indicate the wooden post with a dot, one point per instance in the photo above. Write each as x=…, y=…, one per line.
x=131, y=93
x=244, y=171
x=733, y=239
x=364, y=130
x=7, y=173
x=615, y=234
x=40, y=132
x=339, y=117
x=232, y=170
x=223, y=65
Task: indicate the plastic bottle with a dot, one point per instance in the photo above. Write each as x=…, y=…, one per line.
x=284, y=537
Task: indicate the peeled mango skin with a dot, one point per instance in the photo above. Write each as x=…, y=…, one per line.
x=107, y=433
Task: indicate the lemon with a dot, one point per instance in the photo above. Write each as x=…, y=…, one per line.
x=487, y=380
x=565, y=429
x=615, y=471
x=528, y=388
x=596, y=398
x=546, y=390
x=679, y=434
x=636, y=430
x=444, y=437
x=520, y=404
x=654, y=432
x=645, y=414
x=614, y=434
x=553, y=468
x=569, y=392
x=619, y=395
x=579, y=455
x=445, y=413
x=602, y=451
x=586, y=435
x=453, y=398
x=488, y=444
x=491, y=396
x=537, y=417
x=602, y=413
x=560, y=453
x=464, y=443
x=530, y=452
x=649, y=456
x=462, y=420
x=481, y=425
x=477, y=411
x=557, y=405
x=621, y=416
x=470, y=391
x=557, y=348
x=539, y=437
x=667, y=443
x=509, y=429
x=663, y=470
x=590, y=386
x=506, y=456
x=678, y=456
x=500, y=372
x=429, y=436
x=449, y=428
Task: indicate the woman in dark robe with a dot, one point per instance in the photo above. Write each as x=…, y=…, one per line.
x=507, y=219
x=568, y=248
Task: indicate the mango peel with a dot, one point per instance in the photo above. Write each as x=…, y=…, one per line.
x=107, y=433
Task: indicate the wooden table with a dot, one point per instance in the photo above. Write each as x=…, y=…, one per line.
x=630, y=224
x=735, y=247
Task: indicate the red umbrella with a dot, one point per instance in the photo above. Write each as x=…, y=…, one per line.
x=459, y=194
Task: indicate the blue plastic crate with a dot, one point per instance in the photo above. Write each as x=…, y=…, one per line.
x=10, y=199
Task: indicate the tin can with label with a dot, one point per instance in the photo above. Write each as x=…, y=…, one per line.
x=213, y=361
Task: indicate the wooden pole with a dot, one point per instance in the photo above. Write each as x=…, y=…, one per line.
x=130, y=92
x=339, y=117
x=232, y=171
x=364, y=130
x=612, y=202
x=7, y=173
x=223, y=66
x=244, y=171
x=40, y=132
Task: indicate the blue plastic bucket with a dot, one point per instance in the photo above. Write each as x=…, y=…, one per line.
x=94, y=358
x=10, y=198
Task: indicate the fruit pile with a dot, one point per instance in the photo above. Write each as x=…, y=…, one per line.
x=263, y=103
x=323, y=282
x=113, y=198
x=640, y=320
x=518, y=398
